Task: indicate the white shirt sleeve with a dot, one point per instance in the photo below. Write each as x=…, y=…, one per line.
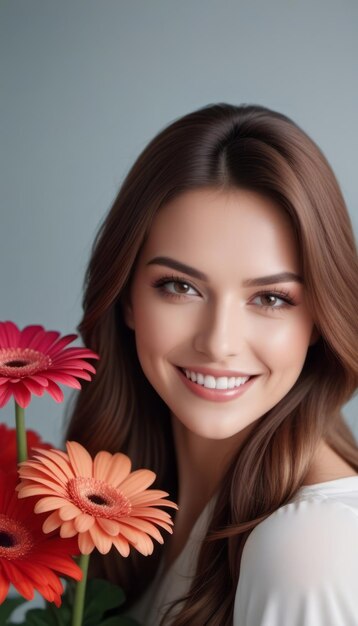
x=300, y=567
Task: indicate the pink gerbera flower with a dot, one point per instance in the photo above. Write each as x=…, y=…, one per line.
x=33, y=360
x=100, y=500
x=29, y=559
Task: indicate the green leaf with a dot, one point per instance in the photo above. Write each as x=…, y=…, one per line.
x=8, y=606
x=61, y=616
x=101, y=596
x=39, y=617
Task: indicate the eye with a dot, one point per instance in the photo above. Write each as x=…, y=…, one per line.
x=271, y=297
x=163, y=285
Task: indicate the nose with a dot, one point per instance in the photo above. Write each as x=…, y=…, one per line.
x=221, y=330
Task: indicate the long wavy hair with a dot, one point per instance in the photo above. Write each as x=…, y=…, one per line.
x=222, y=146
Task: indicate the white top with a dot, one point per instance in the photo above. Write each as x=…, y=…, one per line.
x=299, y=566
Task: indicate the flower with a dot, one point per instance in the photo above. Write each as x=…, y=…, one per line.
x=100, y=500
x=33, y=360
x=8, y=447
x=29, y=559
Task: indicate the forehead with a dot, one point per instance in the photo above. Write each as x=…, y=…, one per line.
x=232, y=227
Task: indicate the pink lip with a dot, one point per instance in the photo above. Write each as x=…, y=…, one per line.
x=218, y=395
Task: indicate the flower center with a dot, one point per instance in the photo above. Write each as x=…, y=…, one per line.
x=98, y=498
x=6, y=540
x=15, y=539
x=20, y=362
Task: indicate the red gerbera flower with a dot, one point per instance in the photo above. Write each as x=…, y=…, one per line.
x=34, y=360
x=8, y=446
x=29, y=559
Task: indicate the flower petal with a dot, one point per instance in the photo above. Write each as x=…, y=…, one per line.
x=22, y=395
x=146, y=527
x=85, y=543
x=29, y=334
x=5, y=395
x=61, y=343
x=144, y=544
x=69, y=511
x=68, y=529
x=60, y=377
x=12, y=334
x=109, y=526
x=23, y=586
x=101, y=540
x=137, y=481
x=52, y=522
x=83, y=522
x=59, y=458
x=55, y=391
x=47, y=341
x=49, y=503
x=80, y=459
x=101, y=464
x=33, y=386
x=121, y=545
x=119, y=469
x=4, y=587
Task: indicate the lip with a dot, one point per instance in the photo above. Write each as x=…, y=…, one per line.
x=216, y=395
x=216, y=373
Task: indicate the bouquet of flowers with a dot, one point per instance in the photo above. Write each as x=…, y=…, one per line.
x=57, y=506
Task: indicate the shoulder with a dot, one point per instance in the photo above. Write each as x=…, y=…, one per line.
x=305, y=552
x=321, y=533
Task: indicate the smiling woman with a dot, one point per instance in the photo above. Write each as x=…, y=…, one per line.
x=221, y=296
x=217, y=325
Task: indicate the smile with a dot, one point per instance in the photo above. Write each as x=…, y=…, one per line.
x=216, y=394
x=212, y=382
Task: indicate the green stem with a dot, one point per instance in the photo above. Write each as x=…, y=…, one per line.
x=20, y=433
x=80, y=592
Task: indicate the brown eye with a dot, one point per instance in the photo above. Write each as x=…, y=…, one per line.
x=269, y=299
x=272, y=300
x=178, y=288
x=182, y=287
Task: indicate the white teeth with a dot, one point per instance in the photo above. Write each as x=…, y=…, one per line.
x=222, y=382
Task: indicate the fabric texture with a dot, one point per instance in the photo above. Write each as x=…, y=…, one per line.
x=299, y=566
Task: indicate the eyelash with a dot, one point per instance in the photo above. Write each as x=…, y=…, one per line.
x=164, y=280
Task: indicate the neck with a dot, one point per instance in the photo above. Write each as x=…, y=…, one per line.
x=202, y=464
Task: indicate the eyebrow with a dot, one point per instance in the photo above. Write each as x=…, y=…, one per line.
x=282, y=277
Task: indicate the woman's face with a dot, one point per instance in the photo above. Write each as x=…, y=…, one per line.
x=220, y=324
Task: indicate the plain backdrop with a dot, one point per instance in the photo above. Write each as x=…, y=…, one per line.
x=85, y=84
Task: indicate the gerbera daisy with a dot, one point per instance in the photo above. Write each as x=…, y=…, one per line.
x=100, y=500
x=30, y=560
x=8, y=446
x=34, y=360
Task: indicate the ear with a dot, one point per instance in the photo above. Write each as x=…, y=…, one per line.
x=315, y=335
x=127, y=309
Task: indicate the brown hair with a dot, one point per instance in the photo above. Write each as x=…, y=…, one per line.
x=223, y=146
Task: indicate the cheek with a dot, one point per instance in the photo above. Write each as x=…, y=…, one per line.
x=285, y=343
x=157, y=328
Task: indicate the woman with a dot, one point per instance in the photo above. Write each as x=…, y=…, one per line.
x=221, y=295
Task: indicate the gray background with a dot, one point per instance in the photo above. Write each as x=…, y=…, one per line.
x=86, y=84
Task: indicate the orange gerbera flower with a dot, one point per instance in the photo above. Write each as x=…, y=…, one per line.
x=8, y=446
x=34, y=360
x=29, y=559
x=100, y=500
